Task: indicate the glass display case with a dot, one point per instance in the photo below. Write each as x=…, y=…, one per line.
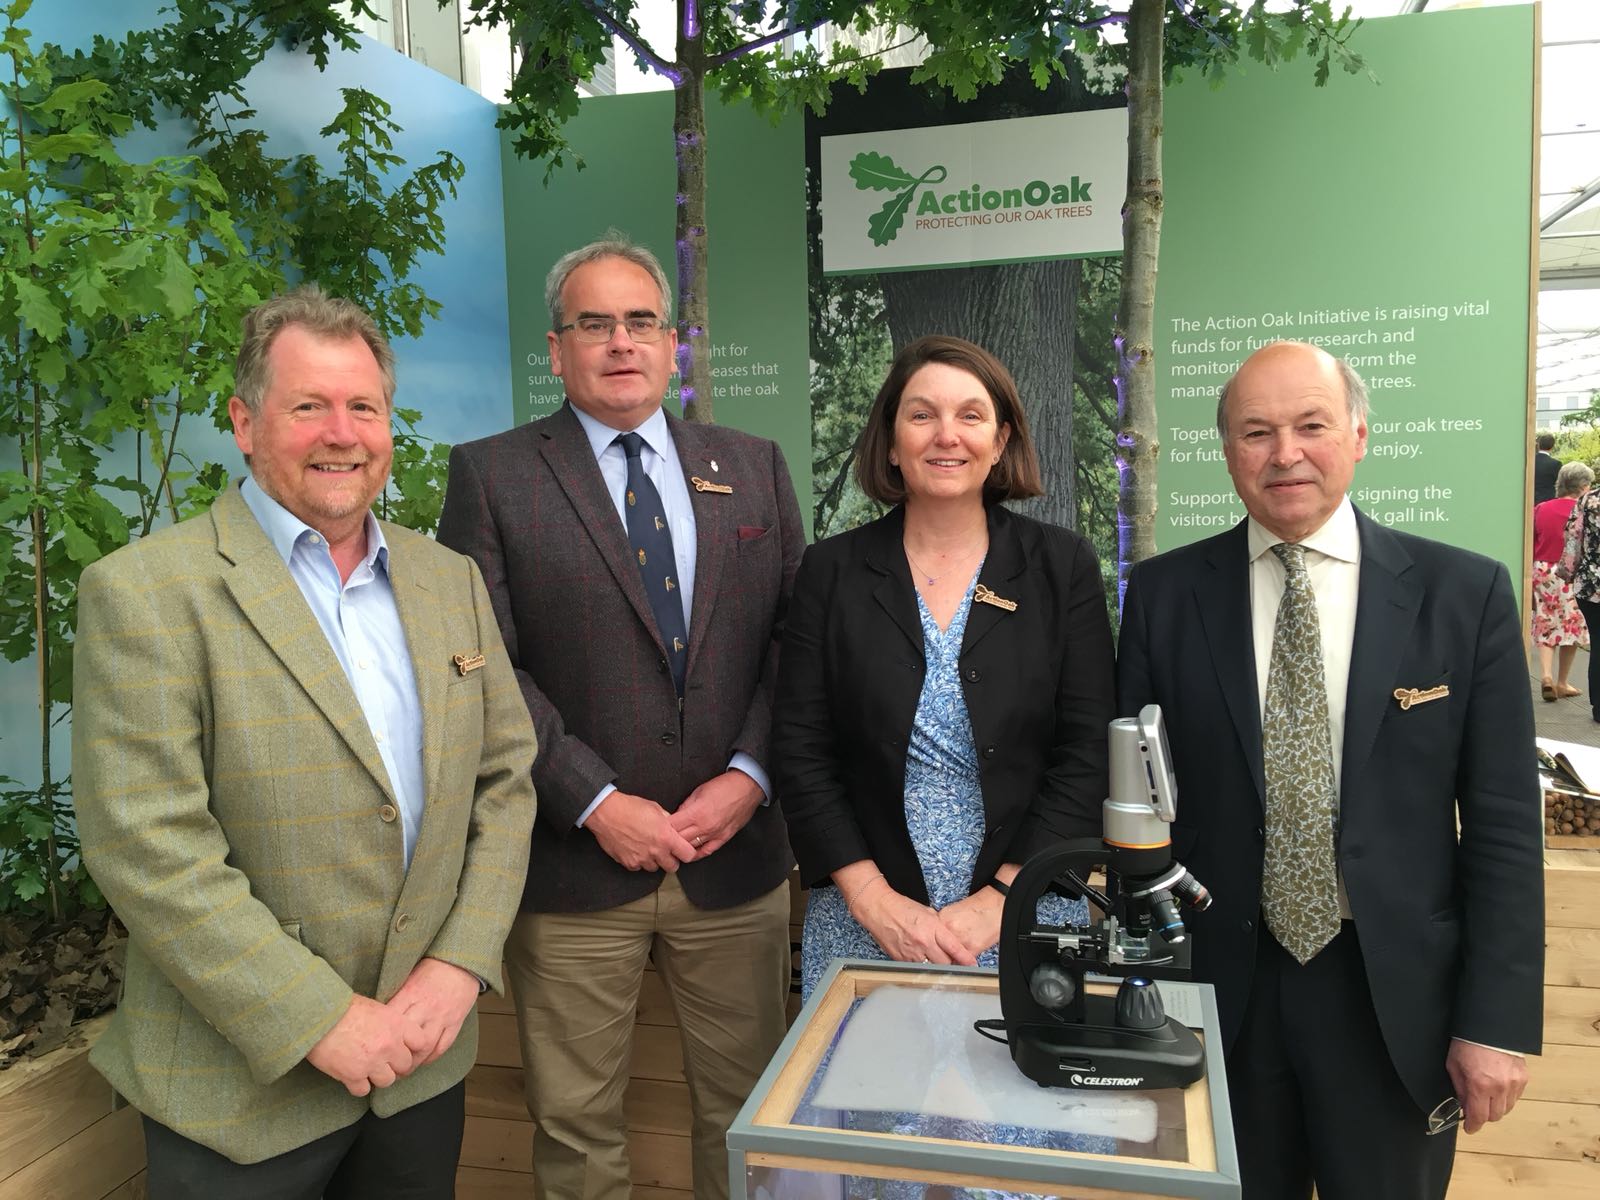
x=884, y=1089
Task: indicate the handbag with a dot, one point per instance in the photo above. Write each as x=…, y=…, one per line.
x=1572, y=547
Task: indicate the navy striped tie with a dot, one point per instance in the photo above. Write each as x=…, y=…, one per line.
x=651, y=540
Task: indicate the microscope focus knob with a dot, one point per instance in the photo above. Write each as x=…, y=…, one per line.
x=1139, y=1004
x=1052, y=987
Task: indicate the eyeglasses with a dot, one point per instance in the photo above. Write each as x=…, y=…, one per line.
x=595, y=330
x=1445, y=1115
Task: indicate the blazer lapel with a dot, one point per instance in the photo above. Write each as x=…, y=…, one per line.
x=270, y=600
x=1386, y=610
x=715, y=537
x=1002, y=567
x=426, y=642
x=894, y=592
x=1222, y=594
x=567, y=453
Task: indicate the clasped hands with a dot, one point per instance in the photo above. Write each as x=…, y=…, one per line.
x=909, y=931
x=374, y=1044
x=643, y=836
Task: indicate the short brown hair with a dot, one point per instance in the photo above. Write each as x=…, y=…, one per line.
x=308, y=306
x=1015, y=477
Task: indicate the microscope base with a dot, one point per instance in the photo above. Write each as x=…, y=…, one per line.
x=1097, y=1054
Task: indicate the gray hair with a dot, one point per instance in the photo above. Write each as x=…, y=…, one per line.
x=613, y=245
x=313, y=310
x=1573, y=478
x=1355, y=391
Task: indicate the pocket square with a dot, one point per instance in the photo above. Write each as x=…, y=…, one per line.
x=747, y=532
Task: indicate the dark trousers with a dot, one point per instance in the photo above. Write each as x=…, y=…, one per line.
x=409, y=1156
x=1591, y=614
x=1315, y=1097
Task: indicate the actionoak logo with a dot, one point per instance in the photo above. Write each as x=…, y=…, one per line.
x=876, y=172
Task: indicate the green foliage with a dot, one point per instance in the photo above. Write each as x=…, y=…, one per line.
x=1584, y=419
x=122, y=288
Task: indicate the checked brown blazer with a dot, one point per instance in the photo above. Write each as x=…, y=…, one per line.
x=234, y=809
x=531, y=508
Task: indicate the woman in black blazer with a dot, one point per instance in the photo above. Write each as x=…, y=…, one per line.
x=946, y=678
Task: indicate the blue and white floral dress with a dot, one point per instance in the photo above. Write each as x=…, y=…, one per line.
x=944, y=809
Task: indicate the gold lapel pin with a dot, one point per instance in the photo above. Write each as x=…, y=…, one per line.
x=705, y=485
x=984, y=596
x=1411, y=696
x=467, y=662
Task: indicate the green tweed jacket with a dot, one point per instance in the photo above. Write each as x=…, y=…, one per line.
x=234, y=809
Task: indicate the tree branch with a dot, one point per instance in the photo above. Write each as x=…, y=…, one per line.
x=727, y=56
x=661, y=66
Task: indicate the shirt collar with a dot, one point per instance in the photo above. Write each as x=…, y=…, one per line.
x=285, y=530
x=1339, y=537
x=653, y=429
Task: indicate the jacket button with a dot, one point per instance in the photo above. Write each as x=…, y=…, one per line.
x=1261, y=831
x=388, y=812
x=988, y=751
x=1247, y=924
x=402, y=922
x=669, y=738
x=661, y=665
x=973, y=675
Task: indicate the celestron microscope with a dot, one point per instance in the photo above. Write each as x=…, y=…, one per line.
x=1060, y=1034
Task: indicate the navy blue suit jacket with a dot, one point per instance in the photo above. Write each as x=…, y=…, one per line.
x=1450, y=920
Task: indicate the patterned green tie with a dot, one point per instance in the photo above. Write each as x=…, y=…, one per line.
x=1299, y=892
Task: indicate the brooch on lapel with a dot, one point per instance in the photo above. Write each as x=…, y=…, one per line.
x=1411, y=696
x=467, y=662
x=984, y=596
x=705, y=485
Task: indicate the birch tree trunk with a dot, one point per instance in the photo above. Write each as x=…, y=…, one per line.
x=689, y=131
x=1138, y=447
x=1025, y=315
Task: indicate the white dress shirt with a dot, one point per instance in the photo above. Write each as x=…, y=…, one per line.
x=359, y=618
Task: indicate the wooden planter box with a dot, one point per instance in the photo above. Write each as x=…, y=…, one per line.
x=59, y=1133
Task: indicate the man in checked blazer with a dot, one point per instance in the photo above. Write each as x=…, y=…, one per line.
x=655, y=839
x=300, y=766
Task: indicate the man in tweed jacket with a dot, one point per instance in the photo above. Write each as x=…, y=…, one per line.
x=301, y=769
x=654, y=839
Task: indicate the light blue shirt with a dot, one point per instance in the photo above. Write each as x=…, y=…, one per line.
x=359, y=618
x=660, y=461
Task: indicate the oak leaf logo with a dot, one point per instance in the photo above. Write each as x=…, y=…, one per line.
x=878, y=173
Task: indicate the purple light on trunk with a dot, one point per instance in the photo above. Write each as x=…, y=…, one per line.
x=691, y=20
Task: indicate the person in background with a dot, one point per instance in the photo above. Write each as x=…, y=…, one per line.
x=1580, y=567
x=1558, y=627
x=946, y=679
x=300, y=768
x=1545, y=468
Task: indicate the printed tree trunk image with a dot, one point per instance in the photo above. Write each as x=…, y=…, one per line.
x=1137, y=440
x=1023, y=314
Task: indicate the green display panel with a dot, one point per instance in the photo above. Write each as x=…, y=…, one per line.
x=756, y=222
x=1388, y=221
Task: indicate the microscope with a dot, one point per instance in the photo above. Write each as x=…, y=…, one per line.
x=1061, y=1035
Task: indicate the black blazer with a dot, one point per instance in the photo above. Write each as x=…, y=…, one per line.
x=1037, y=681
x=1451, y=927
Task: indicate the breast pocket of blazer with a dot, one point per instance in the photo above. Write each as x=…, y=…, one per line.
x=463, y=700
x=1420, y=703
x=756, y=550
